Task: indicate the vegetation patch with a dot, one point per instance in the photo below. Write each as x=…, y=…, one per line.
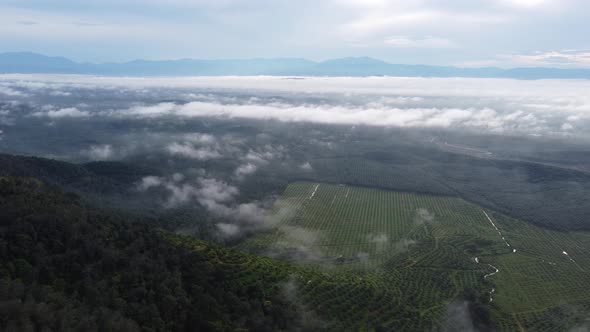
x=429, y=252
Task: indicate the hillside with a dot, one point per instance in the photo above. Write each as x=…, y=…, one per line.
x=67, y=267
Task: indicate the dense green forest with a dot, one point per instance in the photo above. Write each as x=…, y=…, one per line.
x=65, y=267
x=105, y=256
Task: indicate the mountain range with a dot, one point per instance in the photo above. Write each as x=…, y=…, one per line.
x=28, y=63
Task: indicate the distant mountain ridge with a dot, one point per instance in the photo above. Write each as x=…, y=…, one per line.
x=29, y=63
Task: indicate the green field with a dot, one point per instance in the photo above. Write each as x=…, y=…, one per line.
x=421, y=251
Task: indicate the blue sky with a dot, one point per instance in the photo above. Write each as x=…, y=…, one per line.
x=505, y=33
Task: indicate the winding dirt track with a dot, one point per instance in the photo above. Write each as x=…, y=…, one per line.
x=496, y=270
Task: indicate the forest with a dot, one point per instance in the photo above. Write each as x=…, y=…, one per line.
x=65, y=267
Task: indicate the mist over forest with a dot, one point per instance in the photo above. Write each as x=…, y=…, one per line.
x=238, y=161
x=227, y=146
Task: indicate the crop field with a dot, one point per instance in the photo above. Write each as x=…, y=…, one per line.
x=417, y=254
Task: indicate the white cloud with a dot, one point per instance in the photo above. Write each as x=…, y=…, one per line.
x=69, y=112
x=392, y=17
x=60, y=93
x=213, y=190
x=147, y=111
x=551, y=59
x=427, y=42
x=199, y=138
x=100, y=152
x=179, y=193
x=263, y=155
x=150, y=182
x=209, y=192
x=451, y=117
x=383, y=22
x=255, y=157
x=228, y=230
x=381, y=241
x=187, y=150
x=245, y=169
x=306, y=166
x=217, y=196
x=525, y=3
x=11, y=92
x=537, y=107
x=178, y=177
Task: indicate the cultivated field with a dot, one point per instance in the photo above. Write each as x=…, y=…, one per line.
x=426, y=251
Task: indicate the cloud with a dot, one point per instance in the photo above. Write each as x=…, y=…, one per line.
x=60, y=93
x=427, y=117
x=11, y=92
x=68, y=112
x=381, y=242
x=199, y=138
x=228, y=230
x=27, y=22
x=150, y=182
x=208, y=191
x=217, y=197
x=100, y=152
x=247, y=218
x=566, y=127
x=382, y=22
x=214, y=191
x=131, y=29
x=187, y=150
x=307, y=319
x=178, y=177
x=394, y=17
x=306, y=166
x=264, y=154
x=298, y=244
x=245, y=169
x=240, y=219
x=500, y=106
x=552, y=59
x=427, y=42
x=423, y=216
x=458, y=318
x=179, y=193
x=525, y=3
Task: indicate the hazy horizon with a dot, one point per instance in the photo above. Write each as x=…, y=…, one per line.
x=482, y=33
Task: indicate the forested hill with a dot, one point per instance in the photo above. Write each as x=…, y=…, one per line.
x=65, y=267
x=98, y=177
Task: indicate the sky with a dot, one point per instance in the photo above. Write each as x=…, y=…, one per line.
x=473, y=33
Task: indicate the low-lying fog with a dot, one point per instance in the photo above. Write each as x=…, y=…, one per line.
x=228, y=145
x=543, y=107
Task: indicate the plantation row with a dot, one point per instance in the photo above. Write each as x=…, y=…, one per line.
x=417, y=252
x=388, y=240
